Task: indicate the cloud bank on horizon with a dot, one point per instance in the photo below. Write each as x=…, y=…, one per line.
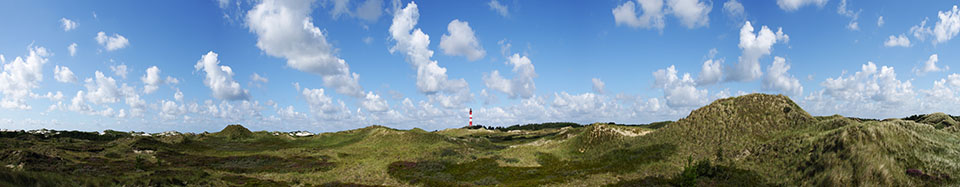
x=335, y=65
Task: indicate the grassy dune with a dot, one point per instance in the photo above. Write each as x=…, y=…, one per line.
x=750, y=140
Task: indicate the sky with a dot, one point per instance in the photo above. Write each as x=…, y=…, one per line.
x=332, y=65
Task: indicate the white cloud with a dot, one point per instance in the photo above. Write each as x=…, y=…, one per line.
x=285, y=30
x=120, y=70
x=679, y=91
x=868, y=92
x=370, y=10
x=63, y=74
x=578, y=104
x=793, y=5
x=501, y=9
x=598, y=85
x=734, y=9
x=111, y=43
x=710, y=72
x=880, y=21
x=257, y=80
x=372, y=102
x=67, y=24
x=522, y=84
x=921, y=31
x=945, y=29
x=20, y=77
x=102, y=89
x=930, y=66
x=431, y=78
x=220, y=78
x=322, y=106
x=339, y=8
x=870, y=84
x=290, y=113
x=692, y=13
x=651, y=17
x=171, y=110
x=853, y=15
x=72, y=49
x=754, y=47
x=897, y=41
x=777, y=78
x=178, y=95
x=151, y=80
x=462, y=41
x=948, y=26
x=172, y=81
x=487, y=97
x=945, y=94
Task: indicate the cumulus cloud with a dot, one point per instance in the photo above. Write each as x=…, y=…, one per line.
x=754, y=46
x=521, y=85
x=79, y=104
x=63, y=74
x=413, y=43
x=853, y=15
x=171, y=110
x=692, y=13
x=339, y=8
x=710, y=72
x=72, y=48
x=777, y=78
x=290, y=113
x=21, y=76
x=868, y=83
x=501, y=9
x=178, y=95
x=461, y=41
x=120, y=70
x=679, y=91
x=598, y=85
x=734, y=10
x=322, y=106
x=102, y=89
x=151, y=80
x=220, y=78
x=945, y=29
x=921, y=31
x=370, y=10
x=897, y=41
x=372, y=102
x=871, y=91
x=67, y=24
x=945, y=94
x=793, y=5
x=284, y=29
x=651, y=17
x=257, y=80
x=111, y=43
x=930, y=66
x=948, y=26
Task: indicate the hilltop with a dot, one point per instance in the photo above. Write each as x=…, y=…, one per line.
x=749, y=140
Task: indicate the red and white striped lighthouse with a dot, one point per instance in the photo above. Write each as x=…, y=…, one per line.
x=471, y=117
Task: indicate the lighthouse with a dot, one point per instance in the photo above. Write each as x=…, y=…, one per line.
x=471, y=117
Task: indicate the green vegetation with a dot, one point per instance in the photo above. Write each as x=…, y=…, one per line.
x=750, y=140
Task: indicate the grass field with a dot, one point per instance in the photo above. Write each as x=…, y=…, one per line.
x=750, y=140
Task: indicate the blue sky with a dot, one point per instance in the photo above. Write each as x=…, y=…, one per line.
x=340, y=64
